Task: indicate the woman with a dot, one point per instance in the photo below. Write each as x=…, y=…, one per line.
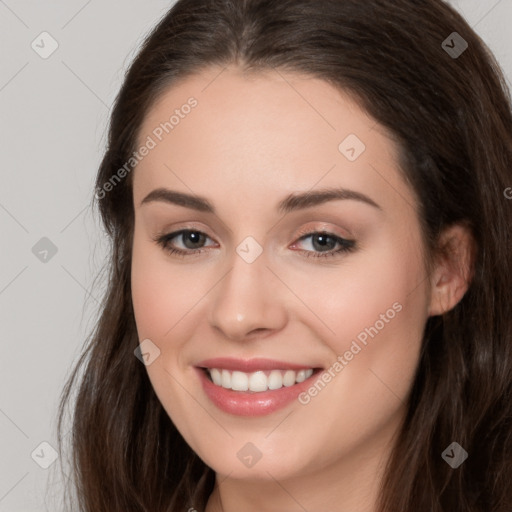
x=310, y=285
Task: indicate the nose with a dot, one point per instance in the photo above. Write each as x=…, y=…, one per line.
x=247, y=302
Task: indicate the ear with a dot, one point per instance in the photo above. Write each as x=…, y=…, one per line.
x=453, y=269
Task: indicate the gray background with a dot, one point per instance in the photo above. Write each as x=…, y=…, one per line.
x=54, y=115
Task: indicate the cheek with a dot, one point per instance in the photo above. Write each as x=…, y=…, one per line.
x=161, y=298
x=367, y=295
x=162, y=293
x=380, y=322
x=377, y=312
x=152, y=305
x=376, y=308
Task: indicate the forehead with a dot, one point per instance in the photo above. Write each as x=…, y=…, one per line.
x=222, y=130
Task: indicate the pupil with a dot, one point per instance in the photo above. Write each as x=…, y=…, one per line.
x=322, y=240
x=194, y=236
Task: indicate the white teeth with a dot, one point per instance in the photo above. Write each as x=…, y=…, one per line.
x=301, y=376
x=275, y=380
x=216, y=376
x=257, y=381
x=289, y=378
x=239, y=381
x=226, y=379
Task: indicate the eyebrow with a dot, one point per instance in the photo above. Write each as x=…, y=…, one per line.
x=291, y=203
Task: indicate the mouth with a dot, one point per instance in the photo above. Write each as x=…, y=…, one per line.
x=253, y=387
x=257, y=381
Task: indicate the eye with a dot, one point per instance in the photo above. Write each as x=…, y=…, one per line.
x=190, y=240
x=193, y=240
x=325, y=243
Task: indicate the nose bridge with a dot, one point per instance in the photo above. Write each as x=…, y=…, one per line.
x=246, y=299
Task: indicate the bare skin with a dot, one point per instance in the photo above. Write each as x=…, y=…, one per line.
x=249, y=143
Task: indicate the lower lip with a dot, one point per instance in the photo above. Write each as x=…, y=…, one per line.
x=244, y=403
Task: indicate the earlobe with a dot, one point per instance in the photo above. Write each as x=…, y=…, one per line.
x=453, y=270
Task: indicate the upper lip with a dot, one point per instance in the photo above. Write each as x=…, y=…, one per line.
x=251, y=365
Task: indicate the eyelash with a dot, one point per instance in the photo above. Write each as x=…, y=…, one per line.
x=346, y=246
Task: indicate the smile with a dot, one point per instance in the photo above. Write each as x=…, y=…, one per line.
x=253, y=387
x=258, y=381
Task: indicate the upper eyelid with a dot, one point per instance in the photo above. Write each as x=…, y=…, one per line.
x=190, y=226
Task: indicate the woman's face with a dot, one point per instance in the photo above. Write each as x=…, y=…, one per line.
x=333, y=284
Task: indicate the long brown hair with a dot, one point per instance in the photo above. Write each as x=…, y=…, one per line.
x=451, y=114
